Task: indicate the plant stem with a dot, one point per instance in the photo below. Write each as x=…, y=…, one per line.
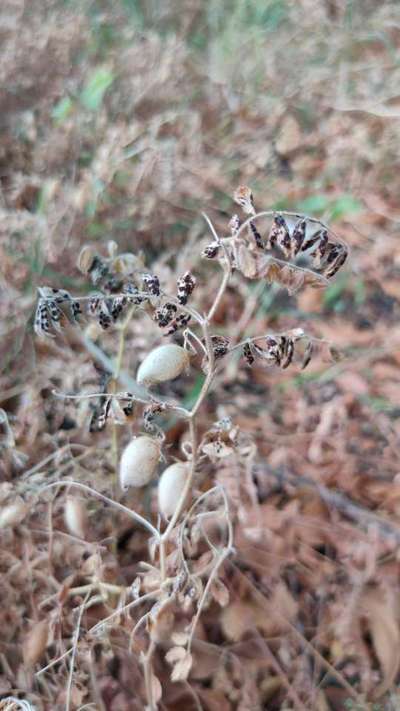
x=137, y=517
x=75, y=640
x=204, y=322
x=148, y=673
x=125, y=608
x=116, y=374
x=221, y=291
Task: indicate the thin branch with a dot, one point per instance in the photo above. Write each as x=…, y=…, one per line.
x=148, y=673
x=54, y=662
x=221, y=558
x=124, y=396
x=53, y=455
x=75, y=640
x=227, y=270
x=121, y=610
x=136, y=517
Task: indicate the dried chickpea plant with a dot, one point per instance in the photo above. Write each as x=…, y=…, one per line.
x=188, y=519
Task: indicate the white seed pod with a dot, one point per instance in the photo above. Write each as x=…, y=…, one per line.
x=75, y=516
x=12, y=514
x=163, y=363
x=139, y=461
x=170, y=487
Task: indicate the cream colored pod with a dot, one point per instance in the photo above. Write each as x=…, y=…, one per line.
x=139, y=461
x=75, y=516
x=170, y=487
x=12, y=514
x=163, y=363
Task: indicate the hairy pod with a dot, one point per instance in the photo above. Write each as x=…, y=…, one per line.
x=75, y=516
x=170, y=487
x=163, y=363
x=139, y=461
x=12, y=514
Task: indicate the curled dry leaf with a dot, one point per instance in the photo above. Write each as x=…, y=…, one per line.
x=12, y=514
x=182, y=664
x=289, y=137
x=238, y=618
x=382, y=617
x=175, y=654
x=243, y=616
x=244, y=197
x=85, y=259
x=117, y=412
x=152, y=579
x=35, y=642
x=220, y=593
x=246, y=262
x=161, y=621
x=205, y=662
x=180, y=638
x=291, y=277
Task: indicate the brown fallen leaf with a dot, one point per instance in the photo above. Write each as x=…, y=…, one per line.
x=35, y=642
x=381, y=612
x=289, y=138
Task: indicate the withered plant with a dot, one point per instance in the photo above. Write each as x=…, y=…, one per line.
x=190, y=527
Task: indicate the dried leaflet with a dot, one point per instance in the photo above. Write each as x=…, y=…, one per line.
x=156, y=688
x=220, y=593
x=382, y=618
x=36, y=642
x=181, y=661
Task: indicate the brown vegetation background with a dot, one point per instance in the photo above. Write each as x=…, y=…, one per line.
x=124, y=121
